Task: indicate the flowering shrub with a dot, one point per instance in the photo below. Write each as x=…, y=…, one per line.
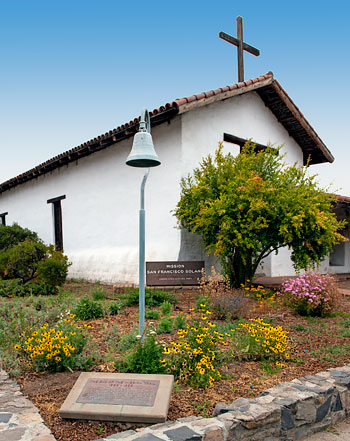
x=194, y=359
x=257, y=340
x=311, y=294
x=259, y=292
x=55, y=348
x=262, y=295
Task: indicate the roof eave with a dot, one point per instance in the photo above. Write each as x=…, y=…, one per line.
x=314, y=150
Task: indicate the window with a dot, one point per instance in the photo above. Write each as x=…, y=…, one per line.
x=57, y=221
x=241, y=141
x=3, y=218
x=337, y=257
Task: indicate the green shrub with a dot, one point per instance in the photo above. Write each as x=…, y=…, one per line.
x=34, y=261
x=54, y=269
x=12, y=288
x=165, y=326
x=23, y=255
x=16, y=288
x=115, y=307
x=152, y=314
x=21, y=261
x=153, y=297
x=13, y=235
x=145, y=358
x=166, y=308
x=87, y=309
x=180, y=321
x=98, y=293
x=127, y=341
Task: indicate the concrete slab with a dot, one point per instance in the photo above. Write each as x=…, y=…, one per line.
x=119, y=397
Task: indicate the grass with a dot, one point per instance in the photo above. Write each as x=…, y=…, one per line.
x=345, y=333
x=330, y=353
x=203, y=409
x=301, y=328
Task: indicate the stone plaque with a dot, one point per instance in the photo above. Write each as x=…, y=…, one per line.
x=119, y=397
x=174, y=273
x=110, y=391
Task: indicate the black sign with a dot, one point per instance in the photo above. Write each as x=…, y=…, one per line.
x=175, y=273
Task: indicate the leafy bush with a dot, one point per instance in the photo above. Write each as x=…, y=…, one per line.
x=39, y=289
x=12, y=288
x=13, y=235
x=153, y=297
x=98, y=293
x=21, y=261
x=258, y=340
x=115, y=307
x=146, y=358
x=311, y=294
x=88, y=309
x=180, y=321
x=195, y=358
x=152, y=314
x=128, y=341
x=165, y=326
x=54, y=349
x=247, y=206
x=54, y=269
x=166, y=308
x=24, y=256
x=16, y=288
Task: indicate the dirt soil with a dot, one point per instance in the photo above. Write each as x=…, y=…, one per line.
x=247, y=379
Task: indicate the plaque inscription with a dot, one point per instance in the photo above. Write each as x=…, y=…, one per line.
x=174, y=273
x=119, y=392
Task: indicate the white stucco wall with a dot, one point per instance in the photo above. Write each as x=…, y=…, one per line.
x=100, y=212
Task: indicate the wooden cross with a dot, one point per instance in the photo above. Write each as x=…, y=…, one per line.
x=241, y=46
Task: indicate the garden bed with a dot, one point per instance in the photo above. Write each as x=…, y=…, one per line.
x=316, y=344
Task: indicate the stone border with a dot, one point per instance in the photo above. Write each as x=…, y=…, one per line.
x=286, y=412
x=20, y=420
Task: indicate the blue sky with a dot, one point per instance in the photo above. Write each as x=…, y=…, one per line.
x=71, y=70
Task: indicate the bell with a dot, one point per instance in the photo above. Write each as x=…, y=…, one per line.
x=142, y=153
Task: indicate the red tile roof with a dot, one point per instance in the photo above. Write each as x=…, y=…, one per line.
x=340, y=198
x=270, y=91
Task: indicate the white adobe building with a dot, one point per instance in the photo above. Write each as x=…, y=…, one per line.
x=86, y=200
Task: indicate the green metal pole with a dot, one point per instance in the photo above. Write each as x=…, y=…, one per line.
x=142, y=269
x=144, y=121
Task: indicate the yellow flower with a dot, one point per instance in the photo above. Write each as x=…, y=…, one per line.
x=17, y=347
